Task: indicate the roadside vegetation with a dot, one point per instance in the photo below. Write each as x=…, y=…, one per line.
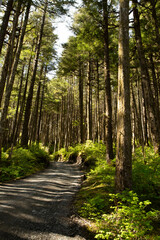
x=130, y=215
x=23, y=162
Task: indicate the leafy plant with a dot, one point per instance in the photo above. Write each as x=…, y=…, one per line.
x=146, y=177
x=23, y=163
x=40, y=154
x=93, y=208
x=93, y=200
x=129, y=220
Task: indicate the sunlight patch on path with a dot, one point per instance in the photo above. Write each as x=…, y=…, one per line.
x=39, y=207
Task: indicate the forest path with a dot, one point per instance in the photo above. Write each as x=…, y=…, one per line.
x=39, y=206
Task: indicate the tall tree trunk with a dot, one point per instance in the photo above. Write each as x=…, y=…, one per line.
x=12, y=139
x=81, y=101
x=9, y=55
x=138, y=117
x=7, y=63
x=46, y=140
x=144, y=117
x=155, y=82
x=24, y=139
x=109, y=141
x=16, y=114
x=34, y=123
x=18, y=127
x=124, y=149
x=15, y=64
x=98, y=102
x=40, y=111
x=153, y=111
x=89, y=102
x=154, y=15
x=5, y=22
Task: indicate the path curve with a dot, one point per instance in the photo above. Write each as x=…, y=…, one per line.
x=39, y=207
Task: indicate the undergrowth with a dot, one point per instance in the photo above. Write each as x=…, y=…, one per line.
x=23, y=162
x=114, y=216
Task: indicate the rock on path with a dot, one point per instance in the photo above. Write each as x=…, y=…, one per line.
x=39, y=207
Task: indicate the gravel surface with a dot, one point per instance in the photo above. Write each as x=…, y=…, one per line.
x=39, y=207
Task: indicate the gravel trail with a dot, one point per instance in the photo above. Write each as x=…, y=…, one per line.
x=39, y=207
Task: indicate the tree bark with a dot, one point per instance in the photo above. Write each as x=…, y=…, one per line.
x=98, y=103
x=108, y=114
x=18, y=103
x=40, y=111
x=7, y=64
x=81, y=101
x=5, y=23
x=155, y=82
x=9, y=55
x=154, y=15
x=124, y=150
x=18, y=128
x=34, y=123
x=89, y=102
x=24, y=139
x=137, y=115
x=15, y=64
x=152, y=109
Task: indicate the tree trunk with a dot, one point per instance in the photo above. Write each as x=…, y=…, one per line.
x=24, y=139
x=5, y=23
x=89, y=102
x=124, y=150
x=108, y=130
x=154, y=15
x=153, y=111
x=7, y=65
x=12, y=139
x=18, y=103
x=15, y=64
x=155, y=82
x=81, y=101
x=40, y=111
x=138, y=118
x=18, y=128
x=98, y=102
x=34, y=123
x=9, y=55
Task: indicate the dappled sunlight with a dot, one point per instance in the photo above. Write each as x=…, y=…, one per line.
x=40, y=205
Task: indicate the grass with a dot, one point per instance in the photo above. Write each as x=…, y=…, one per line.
x=23, y=162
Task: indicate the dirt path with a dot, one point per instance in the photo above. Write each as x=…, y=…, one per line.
x=39, y=207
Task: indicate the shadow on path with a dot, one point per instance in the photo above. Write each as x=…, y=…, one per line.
x=39, y=207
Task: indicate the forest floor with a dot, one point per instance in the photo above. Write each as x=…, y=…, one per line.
x=41, y=206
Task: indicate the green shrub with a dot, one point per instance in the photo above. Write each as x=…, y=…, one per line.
x=4, y=159
x=88, y=150
x=21, y=156
x=23, y=163
x=93, y=198
x=40, y=155
x=94, y=207
x=129, y=220
x=146, y=169
x=51, y=148
x=61, y=154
